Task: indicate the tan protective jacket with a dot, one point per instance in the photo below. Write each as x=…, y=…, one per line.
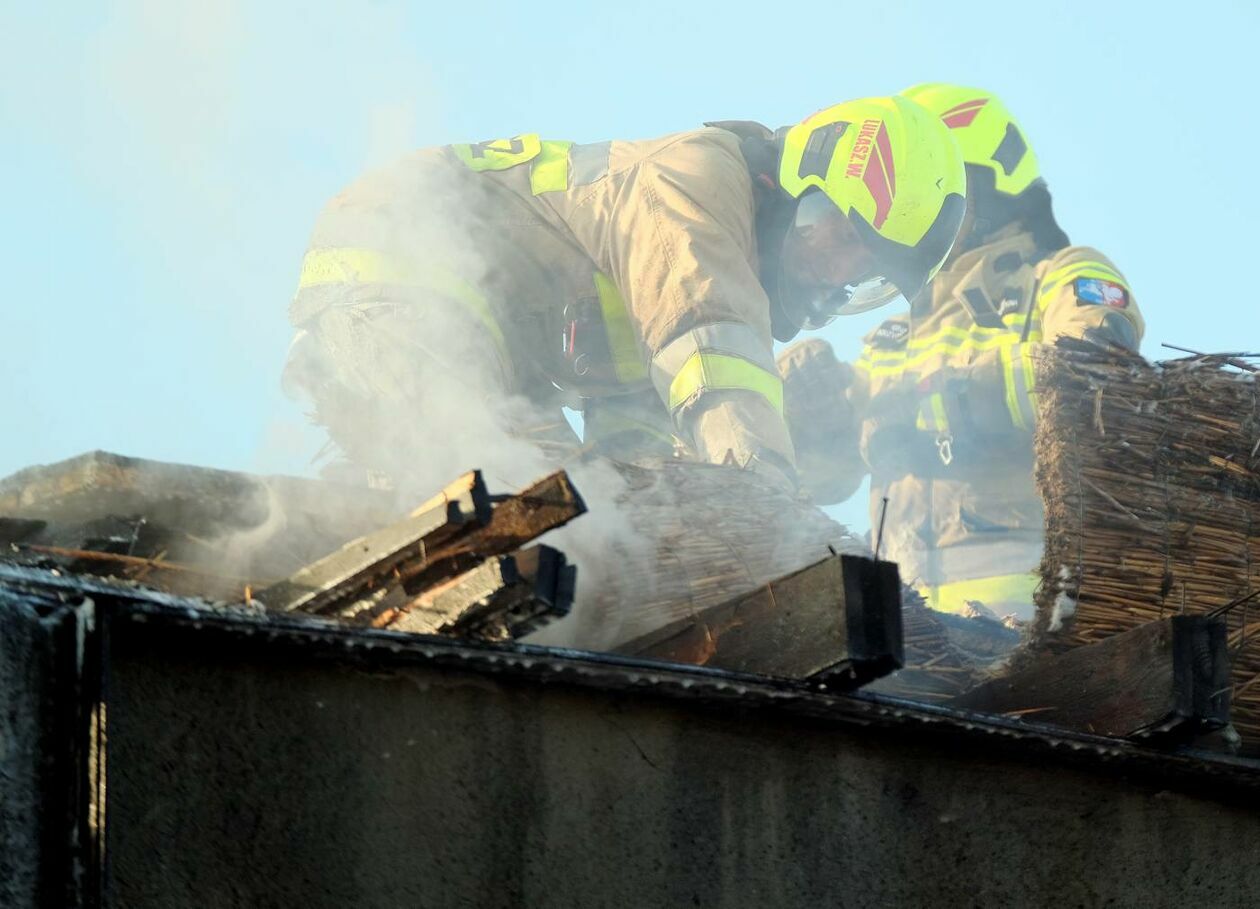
x=641, y=253
x=941, y=406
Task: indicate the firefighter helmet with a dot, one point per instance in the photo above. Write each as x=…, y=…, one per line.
x=987, y=134
x=883, y=173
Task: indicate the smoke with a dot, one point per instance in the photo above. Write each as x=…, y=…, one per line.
x=211, y=133
x=172, y=157
x=419, y=383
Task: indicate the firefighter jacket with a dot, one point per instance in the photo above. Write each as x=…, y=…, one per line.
x=600, y=270
x=940, y=411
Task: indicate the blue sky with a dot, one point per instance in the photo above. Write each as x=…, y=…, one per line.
x=165, y=161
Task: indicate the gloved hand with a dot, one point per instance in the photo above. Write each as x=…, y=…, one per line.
x=815, y=401
x=891, y=443
x=1115, y=329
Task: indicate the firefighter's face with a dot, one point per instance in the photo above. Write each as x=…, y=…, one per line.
x=826, y=268
x=823, y=251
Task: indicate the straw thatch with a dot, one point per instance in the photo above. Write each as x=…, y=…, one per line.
x=1151, y=482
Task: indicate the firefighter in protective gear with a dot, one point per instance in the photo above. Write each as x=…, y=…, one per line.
x=512, y=276
x=942, y=403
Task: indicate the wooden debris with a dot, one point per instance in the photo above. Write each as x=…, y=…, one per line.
x=172, y=577
x=935, y=669
x=449, y=568
x=1151, y=483
x=504, y=597
x=694, y=536
x=1169, y=677
x=838, y=622
x=550, y=503
x=347, y=575
x=213, y=521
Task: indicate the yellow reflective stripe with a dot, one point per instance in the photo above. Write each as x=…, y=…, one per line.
x=499, y=154
x=1012, y=398
x=932, y=413
x=1030, y=378
x=348, y=265
x=622, y=340
x=1056, y=280
x=953, y=331
x=603, y=423
x=452, y=285
x=707, y=371
x=945, y=348
x=976, y=333
x=991, y=591
x=550, y=171
x=1072, y=270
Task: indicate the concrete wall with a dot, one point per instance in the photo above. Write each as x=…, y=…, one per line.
x=45, y=847
x=257, y=761
x=243, y=772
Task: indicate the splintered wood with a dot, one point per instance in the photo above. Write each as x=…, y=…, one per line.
x=935, y=669
x=837, y=622
x=1151, y=483
x=449, y=566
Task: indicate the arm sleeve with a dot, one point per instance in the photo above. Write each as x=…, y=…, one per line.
x=1080, y=294
x=680, y=247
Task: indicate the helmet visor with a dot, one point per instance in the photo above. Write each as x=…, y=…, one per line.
x=828, y=268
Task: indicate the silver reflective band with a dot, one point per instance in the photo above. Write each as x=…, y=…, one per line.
x=733, y=338
x=588, y=163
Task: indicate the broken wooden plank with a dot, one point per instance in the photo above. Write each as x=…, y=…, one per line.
x=1165, y=677
x=368, y=562
x=449, y=535
x=505, y=597
x=549, y=503
x=837, y=622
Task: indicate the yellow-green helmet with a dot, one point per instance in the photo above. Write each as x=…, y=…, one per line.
x=894, y=171
x=985, y=131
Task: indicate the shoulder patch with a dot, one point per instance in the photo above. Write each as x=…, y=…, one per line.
x=1099, y=292
x=892, y=333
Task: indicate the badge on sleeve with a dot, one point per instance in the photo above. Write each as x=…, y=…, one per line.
x=1098, y=292
x=892, y=333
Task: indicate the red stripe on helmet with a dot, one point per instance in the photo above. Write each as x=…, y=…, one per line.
x=880, y=177
x=963, y=114
x=884, y=144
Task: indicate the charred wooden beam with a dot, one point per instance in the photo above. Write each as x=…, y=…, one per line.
x=516, y=520
x=369, y=562
x=837, y=622
x=448, y=536
x=1164, y=678
x=504, y=597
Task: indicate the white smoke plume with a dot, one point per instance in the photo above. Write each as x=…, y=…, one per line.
x=223, y=161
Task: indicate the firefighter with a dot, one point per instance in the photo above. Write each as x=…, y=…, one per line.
x=942, y=403
x=475, y=288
